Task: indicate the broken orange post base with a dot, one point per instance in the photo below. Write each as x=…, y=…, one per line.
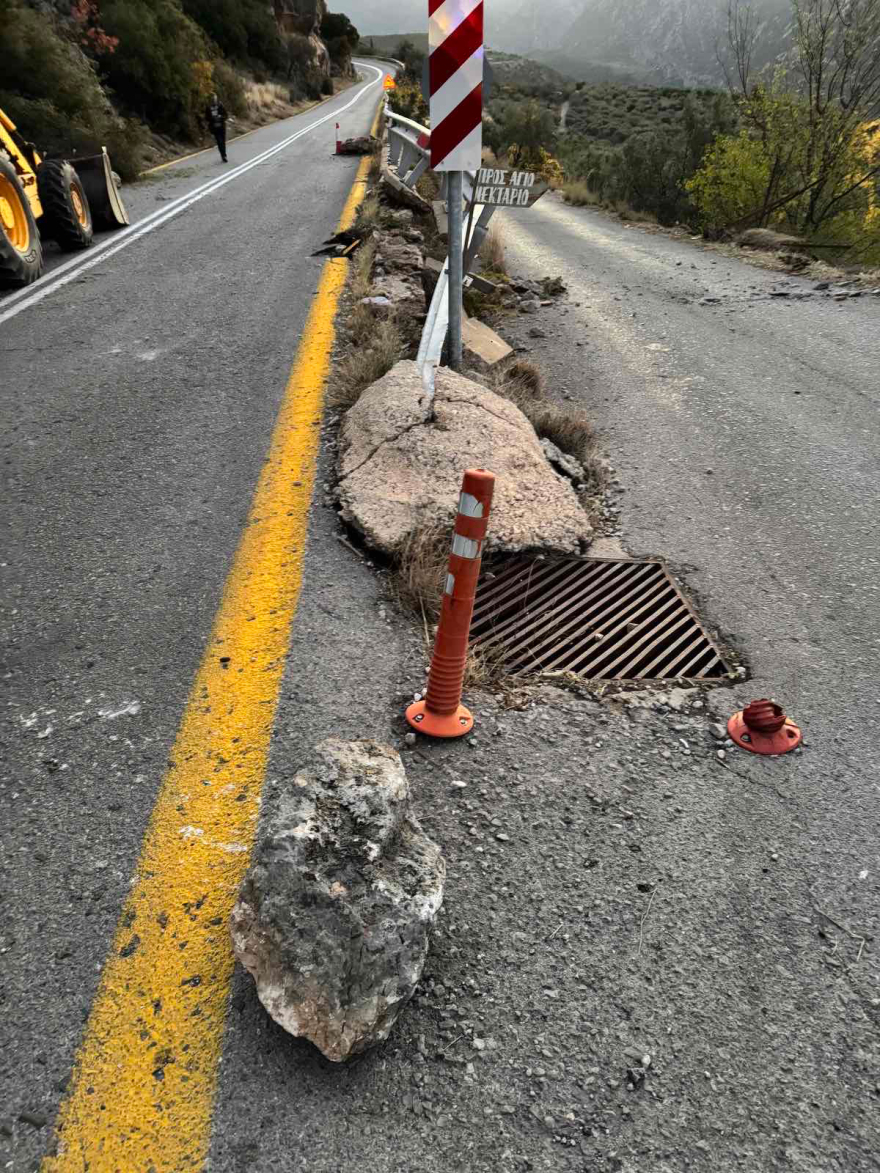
x=764, y=728
x=441, y=713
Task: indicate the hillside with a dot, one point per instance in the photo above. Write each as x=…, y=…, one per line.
x=611, y=114
x=660, y=41
x=387, y=42
x=136, y=75
x=675, y=39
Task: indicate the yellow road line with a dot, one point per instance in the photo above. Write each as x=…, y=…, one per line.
x=144, y=1081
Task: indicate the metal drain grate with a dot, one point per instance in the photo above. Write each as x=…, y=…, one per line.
x=600, y=619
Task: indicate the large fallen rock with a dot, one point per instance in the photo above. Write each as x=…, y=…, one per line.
x=400, y=469
x=769, y=241
x=333, y=918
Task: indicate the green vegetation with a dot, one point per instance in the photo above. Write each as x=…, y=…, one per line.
x=519, y=130
x=807, y=159
x=243, y=30
x=341, y=38
x=796, y=148
x=50, y=88
x=387, y=46
x=407, y=99
x=80, y=74
x=641, y=164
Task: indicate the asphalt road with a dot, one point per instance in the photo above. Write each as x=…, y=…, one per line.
x=743, y=426
x=141, y=384
x=140, y=400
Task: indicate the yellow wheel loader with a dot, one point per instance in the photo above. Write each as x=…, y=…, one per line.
x=50, y=198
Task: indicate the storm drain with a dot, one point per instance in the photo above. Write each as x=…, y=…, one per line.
x=599, y=619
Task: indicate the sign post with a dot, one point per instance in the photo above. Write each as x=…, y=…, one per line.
x=455, y=66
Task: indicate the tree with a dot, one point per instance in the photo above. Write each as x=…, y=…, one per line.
x=341, y=39
x=809, y=115
x=336, y=25
x=521, y=130
x=413, y=60
x=157, y=70
x=85, y=15
x=244, y=30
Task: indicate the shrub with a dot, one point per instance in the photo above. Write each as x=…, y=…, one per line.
x=732, y=180
x=579, y=193
x=156, y=71
x=524, y=131
x=242, y=29
x=341, y=38
x=413, y=61
x=492, y=252
x=230, y=89
x=407, y=100
x=51, y=91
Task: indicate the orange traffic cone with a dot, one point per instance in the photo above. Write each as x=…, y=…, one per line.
x=441, y=713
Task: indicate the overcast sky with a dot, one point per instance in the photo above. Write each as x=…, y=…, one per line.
x=399, y=16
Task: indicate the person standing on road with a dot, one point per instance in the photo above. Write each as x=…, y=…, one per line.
x=216, y=117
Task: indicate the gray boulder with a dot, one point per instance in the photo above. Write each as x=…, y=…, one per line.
x=402, y=458
x=564, y=463
x=333, y=918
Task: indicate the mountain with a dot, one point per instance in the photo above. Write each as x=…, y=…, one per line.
x=671, y=41
x=407, y=16
x=677, y=40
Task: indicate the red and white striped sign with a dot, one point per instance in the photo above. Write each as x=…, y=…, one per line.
x=456, y=72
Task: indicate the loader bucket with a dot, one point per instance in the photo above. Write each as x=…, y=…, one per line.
x=108, y=210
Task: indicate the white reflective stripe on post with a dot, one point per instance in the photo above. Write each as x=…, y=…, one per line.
x=450, y=583
x=465, y=547
x=469, y=506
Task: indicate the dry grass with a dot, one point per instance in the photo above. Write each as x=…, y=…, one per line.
x=485, y=667
x=369, y=213
x=492, y=256
x=579, y=193
x=420, y=567
x=569, y=428
x=375, y=172
x=380, y=349
x=267, y=98
x=362, y=270
x=522, y=380
x=416, y=584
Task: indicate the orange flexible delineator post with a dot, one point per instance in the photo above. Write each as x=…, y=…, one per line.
x=338, y=150
x=762, y=727
x=441, y=713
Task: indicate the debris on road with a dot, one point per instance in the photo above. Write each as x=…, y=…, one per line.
x=364, y=144
x=763, y=728
x=343, y=244
x=333, y=918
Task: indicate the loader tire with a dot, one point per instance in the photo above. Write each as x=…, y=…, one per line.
x=21, y=255
x=67, y=217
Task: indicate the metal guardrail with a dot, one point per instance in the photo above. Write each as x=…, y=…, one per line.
x=411, y=159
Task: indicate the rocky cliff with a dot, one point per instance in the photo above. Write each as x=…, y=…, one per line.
x=303, y=18
x=300, y=16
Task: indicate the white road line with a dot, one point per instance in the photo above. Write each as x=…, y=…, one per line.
x=70, y=270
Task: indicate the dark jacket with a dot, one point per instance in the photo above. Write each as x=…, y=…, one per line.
x=215, y=116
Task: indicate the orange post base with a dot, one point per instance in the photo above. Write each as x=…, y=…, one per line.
x=779, y=741
x=436, y=725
